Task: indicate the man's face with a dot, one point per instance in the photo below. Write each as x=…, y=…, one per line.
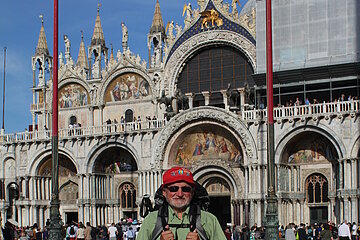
x=181, y=198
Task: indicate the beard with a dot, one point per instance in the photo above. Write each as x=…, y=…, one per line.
x=179, y=203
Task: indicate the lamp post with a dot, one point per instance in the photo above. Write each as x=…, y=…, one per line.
x=271, y=221
x=55, y=219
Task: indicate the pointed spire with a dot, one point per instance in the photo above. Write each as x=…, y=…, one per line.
x=82, y=59
x=157, y=23
x=98, y=36
x=42, y=47
x=112, y=53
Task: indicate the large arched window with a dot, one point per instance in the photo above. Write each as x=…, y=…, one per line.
x=316, y=189
x=213, y=68
x=128, y=196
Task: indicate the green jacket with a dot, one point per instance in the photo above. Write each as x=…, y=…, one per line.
x=209, y=222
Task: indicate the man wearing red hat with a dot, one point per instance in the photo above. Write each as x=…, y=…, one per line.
x=178, y=190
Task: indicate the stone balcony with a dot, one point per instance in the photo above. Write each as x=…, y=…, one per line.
x=256, y=116
x=304, y=112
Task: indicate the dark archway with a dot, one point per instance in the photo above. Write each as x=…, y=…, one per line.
x=309, y=148
x=220, y=198
x=115, y=160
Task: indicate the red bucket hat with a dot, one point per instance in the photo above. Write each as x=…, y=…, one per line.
x=178, y=174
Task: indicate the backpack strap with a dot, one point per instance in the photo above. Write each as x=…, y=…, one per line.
x=195, y=221
x=161, y=221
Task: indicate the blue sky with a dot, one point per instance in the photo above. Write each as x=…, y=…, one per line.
x=19, y=30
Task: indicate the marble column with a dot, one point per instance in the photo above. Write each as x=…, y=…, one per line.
x=31, y=197
x=341, y=176
x=225, y=96
x=246, y=180
x=259, y=180
x=341, y=201
x=191, y=99
x=206, y=95
x=354, y=173
x=94, y=217
x=41, y=217
x=241, y=212
x=252, y=213
x=87, y=213
x=31, y=215
x=247, y=212
x=117, y=217
x=152, y=183
x=19, y=214
x=259, y=214
x=140, y=190
x=27, y=216
x=81, y=213
x=148, y=182
x=280, y=211
x=295, y=179
x=354, y=209
x=302, y=210
x=99, y=215
x=242, y=98
x=347, y=212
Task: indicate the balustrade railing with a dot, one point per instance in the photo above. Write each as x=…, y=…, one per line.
x=280, y=113
x=85, y=131
x=305, y=111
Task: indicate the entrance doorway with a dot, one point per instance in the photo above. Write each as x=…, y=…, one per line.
x=71, y=216
x=318, y=215
x=220, y=207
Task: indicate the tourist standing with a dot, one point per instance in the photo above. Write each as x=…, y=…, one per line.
x=344, y=231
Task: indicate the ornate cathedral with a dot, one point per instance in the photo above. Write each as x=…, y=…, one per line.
x=198, y=101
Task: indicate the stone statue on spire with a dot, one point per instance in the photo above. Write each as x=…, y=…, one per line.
x=125, y=36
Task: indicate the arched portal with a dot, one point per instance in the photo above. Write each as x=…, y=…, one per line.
x=305, y=157
x=115, y=160
x=68, y=187
x=220, y=187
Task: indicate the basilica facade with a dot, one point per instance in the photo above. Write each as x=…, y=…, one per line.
x=198, y=101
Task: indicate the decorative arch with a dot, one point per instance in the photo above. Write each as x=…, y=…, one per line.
x=287, y=136
x=207, y=113
x=95, y=153
x=111, y=78
x=316, y=189
x=39, y=158
x=354, y=151
x=203, y=174
x=9, y=168
x=204, y=39
x=127, y=195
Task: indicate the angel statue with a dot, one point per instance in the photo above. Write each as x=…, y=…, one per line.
x=188, y=11
x=125, y=36
x=170, y=30
x=234, y=7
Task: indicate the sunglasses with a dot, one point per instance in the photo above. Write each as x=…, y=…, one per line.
x=176, y=188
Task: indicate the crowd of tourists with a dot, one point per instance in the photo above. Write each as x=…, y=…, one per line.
x=127, y=229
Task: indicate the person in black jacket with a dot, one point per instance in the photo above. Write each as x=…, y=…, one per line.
x=8, y=231
x=302, y=232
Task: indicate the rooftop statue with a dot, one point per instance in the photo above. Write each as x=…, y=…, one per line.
x=189, y=12
x=125, y=36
